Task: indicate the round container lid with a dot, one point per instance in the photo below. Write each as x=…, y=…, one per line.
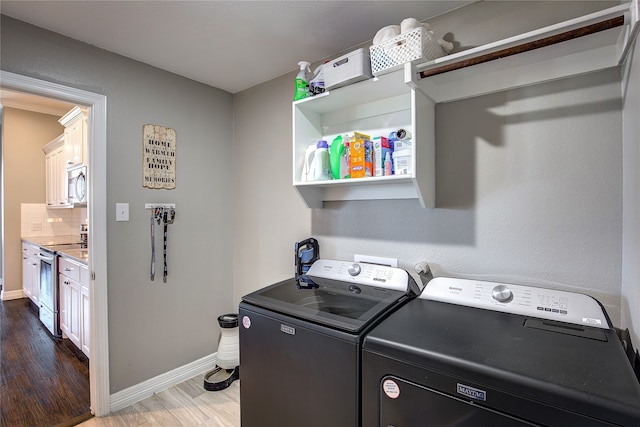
x=228, y=320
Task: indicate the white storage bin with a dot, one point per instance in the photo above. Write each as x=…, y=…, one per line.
x=350, y=68
x=413, y=45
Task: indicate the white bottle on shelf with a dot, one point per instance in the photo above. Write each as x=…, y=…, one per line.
x=308, y=166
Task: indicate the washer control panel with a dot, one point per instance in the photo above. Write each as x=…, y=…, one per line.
x=361, y=273
x=529, y=301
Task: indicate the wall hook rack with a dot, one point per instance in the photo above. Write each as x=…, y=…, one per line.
x=160, y=205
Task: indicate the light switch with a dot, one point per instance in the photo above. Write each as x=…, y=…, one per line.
x=122, y=211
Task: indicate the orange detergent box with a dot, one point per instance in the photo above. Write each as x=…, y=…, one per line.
x=357, y=151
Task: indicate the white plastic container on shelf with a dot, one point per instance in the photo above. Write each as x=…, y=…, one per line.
x=402, y=162
x=350, y=68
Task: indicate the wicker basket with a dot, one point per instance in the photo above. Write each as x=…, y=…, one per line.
x=413, y=45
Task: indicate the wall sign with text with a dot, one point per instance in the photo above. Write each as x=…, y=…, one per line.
x=158, y=157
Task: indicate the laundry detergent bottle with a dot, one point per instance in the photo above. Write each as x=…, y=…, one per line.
x=308, y=167
x=335, y=153
x=322, y=168
x=302, y=83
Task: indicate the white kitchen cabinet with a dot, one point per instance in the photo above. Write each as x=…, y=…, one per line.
x=64, y=293
x=74, y=302
x=31, y=271
x=75, y=137
x=407, y=98
x=56, y=174
x=85, y=320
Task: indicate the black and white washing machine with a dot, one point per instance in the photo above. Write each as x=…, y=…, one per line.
x=472, y=353
x=300, y=343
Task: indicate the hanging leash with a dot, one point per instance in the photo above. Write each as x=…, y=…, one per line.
x=156, y=216
x=153, y=244
x=164, y=251
x=168, y=217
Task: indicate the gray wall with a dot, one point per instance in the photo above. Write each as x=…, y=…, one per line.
x=153, y=327
x=529, y=181
x=631, y=196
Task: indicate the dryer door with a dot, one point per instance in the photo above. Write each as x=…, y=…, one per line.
x=403, y=403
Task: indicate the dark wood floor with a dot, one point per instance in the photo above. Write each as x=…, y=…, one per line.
x=42, y=381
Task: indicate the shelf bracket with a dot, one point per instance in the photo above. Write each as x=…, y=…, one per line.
x=411, y=77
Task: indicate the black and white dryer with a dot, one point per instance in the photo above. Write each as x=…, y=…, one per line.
x=473, y=353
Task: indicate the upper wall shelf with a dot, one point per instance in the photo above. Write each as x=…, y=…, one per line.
x=374, y=107
x=407, y=98
x=589, y=43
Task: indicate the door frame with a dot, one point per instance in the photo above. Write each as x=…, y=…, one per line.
x=97, y=208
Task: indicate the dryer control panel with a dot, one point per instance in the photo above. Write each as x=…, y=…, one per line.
x=530, y=301
x=361, y=273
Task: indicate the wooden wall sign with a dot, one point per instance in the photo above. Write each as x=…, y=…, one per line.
x=158, y=157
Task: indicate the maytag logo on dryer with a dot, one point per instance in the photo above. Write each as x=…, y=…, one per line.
x=287, y=329
x=471, y=392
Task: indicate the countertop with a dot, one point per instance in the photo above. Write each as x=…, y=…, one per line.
x=80, y=255
x=52, y=240
x=54, y=243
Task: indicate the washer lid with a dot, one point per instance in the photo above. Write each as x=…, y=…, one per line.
x=337, y=304
x=360, y=273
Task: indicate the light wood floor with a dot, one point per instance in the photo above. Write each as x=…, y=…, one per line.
x=186, y=404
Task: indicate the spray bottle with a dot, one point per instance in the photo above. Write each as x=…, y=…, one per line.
x=302, y=84
x=345, y=158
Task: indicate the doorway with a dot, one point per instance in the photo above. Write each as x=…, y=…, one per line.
x=96, y=211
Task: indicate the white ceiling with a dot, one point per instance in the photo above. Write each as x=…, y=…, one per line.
x=30, y=102
x=231, y=45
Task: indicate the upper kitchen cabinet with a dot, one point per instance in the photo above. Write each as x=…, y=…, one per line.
x=56, y=189
x=75, y=137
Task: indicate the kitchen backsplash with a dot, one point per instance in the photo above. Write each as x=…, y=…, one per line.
x=36, y=220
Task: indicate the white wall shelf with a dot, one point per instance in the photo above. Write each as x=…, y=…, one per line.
x=407, y=98
x=589, y=43
x=375, y=107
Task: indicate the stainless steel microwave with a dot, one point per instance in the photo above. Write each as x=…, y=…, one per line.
x=77, y=178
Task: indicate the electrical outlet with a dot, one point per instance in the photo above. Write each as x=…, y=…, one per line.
x=122, y=211
x=36, y=226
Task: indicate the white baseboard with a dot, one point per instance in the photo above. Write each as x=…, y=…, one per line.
x=138, y=392
x=7, y=295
